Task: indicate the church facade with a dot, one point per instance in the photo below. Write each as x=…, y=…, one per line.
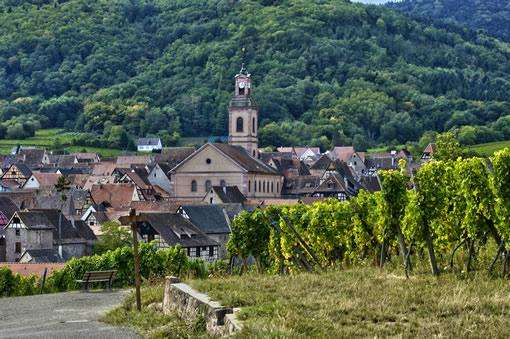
x=232, y=164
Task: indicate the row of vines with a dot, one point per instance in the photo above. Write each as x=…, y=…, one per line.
x=155, y=264
x=447, y=210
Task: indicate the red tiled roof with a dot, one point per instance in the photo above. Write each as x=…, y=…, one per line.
x=118, y=196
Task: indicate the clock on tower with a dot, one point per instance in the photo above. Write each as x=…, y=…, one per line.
x=243, y=115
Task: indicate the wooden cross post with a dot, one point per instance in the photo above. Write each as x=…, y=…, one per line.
x=132, y=219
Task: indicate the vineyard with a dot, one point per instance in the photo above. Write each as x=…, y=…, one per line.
x=448, y=213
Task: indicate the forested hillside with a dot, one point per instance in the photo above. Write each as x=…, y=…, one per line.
x=325, y=72
x=492, y=16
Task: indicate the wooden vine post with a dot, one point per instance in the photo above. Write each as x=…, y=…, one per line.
x=132, y=219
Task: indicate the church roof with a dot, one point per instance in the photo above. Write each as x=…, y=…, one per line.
x=240, y=156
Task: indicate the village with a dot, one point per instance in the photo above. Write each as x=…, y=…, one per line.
x=52, y=206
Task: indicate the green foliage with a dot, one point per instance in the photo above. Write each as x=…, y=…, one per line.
x=154, y=263
x=448, y=147
x=16, y=284
x=447, y=205
x=7, y=281
x=347, y=73
x=501, y=183
x=492, y=16
x=113, y=236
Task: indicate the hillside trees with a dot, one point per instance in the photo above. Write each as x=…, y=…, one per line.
x=325, y=73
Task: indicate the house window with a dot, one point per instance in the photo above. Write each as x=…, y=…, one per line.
x=193, y=186
x=208, y=185
x=272, y=187
x=211, y=251
x=91, y=223
x=253, y=125
x=18, y=232
x=277, y=187
x=255, y=185
x=198, y=252
x=260, y=186
x=223, y=183
x=249, y=185
x=17, y=247
x=239, y=124
x=264, y=186
x=208, y=161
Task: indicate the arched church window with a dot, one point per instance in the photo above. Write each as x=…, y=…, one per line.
x=208, y=185
x=253, y=125
x=249, y=185
x=193, y=186
x=239, y=124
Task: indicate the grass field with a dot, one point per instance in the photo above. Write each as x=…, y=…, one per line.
x=45, y=138
x=151, y=323
x=489, y=148
x=365, y=302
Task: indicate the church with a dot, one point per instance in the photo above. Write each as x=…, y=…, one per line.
x=234, y=164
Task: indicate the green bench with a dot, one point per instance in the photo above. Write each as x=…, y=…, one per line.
x=97, y=276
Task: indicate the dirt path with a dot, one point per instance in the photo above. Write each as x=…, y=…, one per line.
x=61, y=315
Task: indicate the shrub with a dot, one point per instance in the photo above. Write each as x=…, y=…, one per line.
x=154, y=264
x=219, y=268
x=7, y=282
x=16, y=284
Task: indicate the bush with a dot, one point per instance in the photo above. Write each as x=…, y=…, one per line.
x=197, y=269
x=7, y=282
x=155, y=263
x=16, y=284
x=218, y=268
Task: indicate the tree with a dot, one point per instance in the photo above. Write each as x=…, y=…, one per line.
x=447, y=147
x=501, y=185
x=113, y=236
x=391, y=209
x=426, y=206
x=473, y=179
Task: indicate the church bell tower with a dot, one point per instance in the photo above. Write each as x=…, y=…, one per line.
x=243, y=115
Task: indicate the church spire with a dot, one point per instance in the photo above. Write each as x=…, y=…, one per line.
x=243, y=115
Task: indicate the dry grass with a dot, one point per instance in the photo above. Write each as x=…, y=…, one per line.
x=365, y=302
x=151, y=323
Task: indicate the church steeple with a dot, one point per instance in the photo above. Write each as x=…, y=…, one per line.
x=243, y=114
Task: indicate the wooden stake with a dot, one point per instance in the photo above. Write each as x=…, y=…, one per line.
x=132, y=220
